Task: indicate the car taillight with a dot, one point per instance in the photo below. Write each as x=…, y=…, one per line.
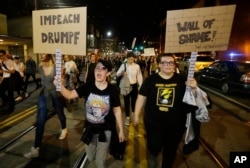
x=245, y=78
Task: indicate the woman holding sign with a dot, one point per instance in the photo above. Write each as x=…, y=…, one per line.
x=48, y=94
x=103, y=111
x=165, y=113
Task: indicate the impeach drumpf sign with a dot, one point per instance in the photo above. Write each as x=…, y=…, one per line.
x=63, y=29
x=199, y=29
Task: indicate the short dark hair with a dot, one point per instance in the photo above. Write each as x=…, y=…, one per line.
x=130, y=55
x=3, y=52
x=106, y=64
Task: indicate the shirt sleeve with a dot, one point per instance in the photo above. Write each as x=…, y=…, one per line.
x=115, y=96
x=144, y=87
x=139, y=76
x=82, y=90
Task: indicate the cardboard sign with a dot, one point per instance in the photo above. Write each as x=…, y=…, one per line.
x=60, y=28
x=149, y=52
x=199, y=29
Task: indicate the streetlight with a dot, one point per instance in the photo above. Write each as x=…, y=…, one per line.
x=109, y=33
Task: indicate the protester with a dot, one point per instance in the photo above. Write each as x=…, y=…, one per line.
x=48, y=94
x=18, y=86
x=165, y=113
x=7, y=68
x=142, y=63
x=153, y=66
x=30, y=71
x=71, y=73
x=102, y=111
x=134, y=74
x=89, y=75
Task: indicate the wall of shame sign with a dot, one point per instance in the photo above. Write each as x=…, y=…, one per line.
x=60, y=37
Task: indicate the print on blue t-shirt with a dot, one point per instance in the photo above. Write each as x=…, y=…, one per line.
x=97, y=107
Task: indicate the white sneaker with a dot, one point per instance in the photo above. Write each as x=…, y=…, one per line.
x=127, y=121
x=63, y=133
x=34, y=152
x=26, y=94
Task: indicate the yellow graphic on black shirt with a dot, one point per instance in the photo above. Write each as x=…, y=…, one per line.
x=165, y=97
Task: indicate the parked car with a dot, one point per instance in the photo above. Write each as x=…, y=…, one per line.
x=230, y=76
x=202, y=61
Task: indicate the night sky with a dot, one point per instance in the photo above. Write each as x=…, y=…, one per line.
x=126, y=19
x=134, y=18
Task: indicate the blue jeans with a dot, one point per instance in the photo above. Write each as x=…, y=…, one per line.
x=42, y=115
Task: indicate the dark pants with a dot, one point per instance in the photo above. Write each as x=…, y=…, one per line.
x=19, y=87
x=42, y=116
x=130, y=100
x=27, y=81
x=164, y=137
x=7, y=85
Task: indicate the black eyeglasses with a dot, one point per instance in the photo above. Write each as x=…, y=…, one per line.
x=170, y=63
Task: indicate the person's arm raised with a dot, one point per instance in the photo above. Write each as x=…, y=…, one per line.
x=68, y=94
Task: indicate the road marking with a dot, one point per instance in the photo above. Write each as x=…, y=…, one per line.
x=129, y=152
x=17, y=117
x=142, y=146
x=136, y=150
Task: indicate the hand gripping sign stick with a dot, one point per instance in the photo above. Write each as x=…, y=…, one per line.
x=58, y=69
x=192, y=62
x=190, y=99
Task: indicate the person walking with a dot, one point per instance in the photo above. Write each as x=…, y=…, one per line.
x=18, y=87
x=71, y=72
x=89, y=75
x=134, y=74
x=7, y=68
x=103, y=111
x=48, y=93
x=30, y=71
x=161, y=95
x=153, y=66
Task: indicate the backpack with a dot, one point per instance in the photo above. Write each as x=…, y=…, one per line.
x=124, y=85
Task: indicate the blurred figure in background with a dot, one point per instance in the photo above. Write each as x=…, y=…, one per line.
x=7, y=68
x=71, y=73
x=89, y=75
x=153, y=67
x=30, y=71
x=18, y=87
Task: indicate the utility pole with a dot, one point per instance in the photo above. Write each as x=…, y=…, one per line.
x=35, y=4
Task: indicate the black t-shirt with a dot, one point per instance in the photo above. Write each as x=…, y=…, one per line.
x=99, y=103
x=164, y=98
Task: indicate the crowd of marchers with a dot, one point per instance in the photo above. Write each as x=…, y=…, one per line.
x=156, y=93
